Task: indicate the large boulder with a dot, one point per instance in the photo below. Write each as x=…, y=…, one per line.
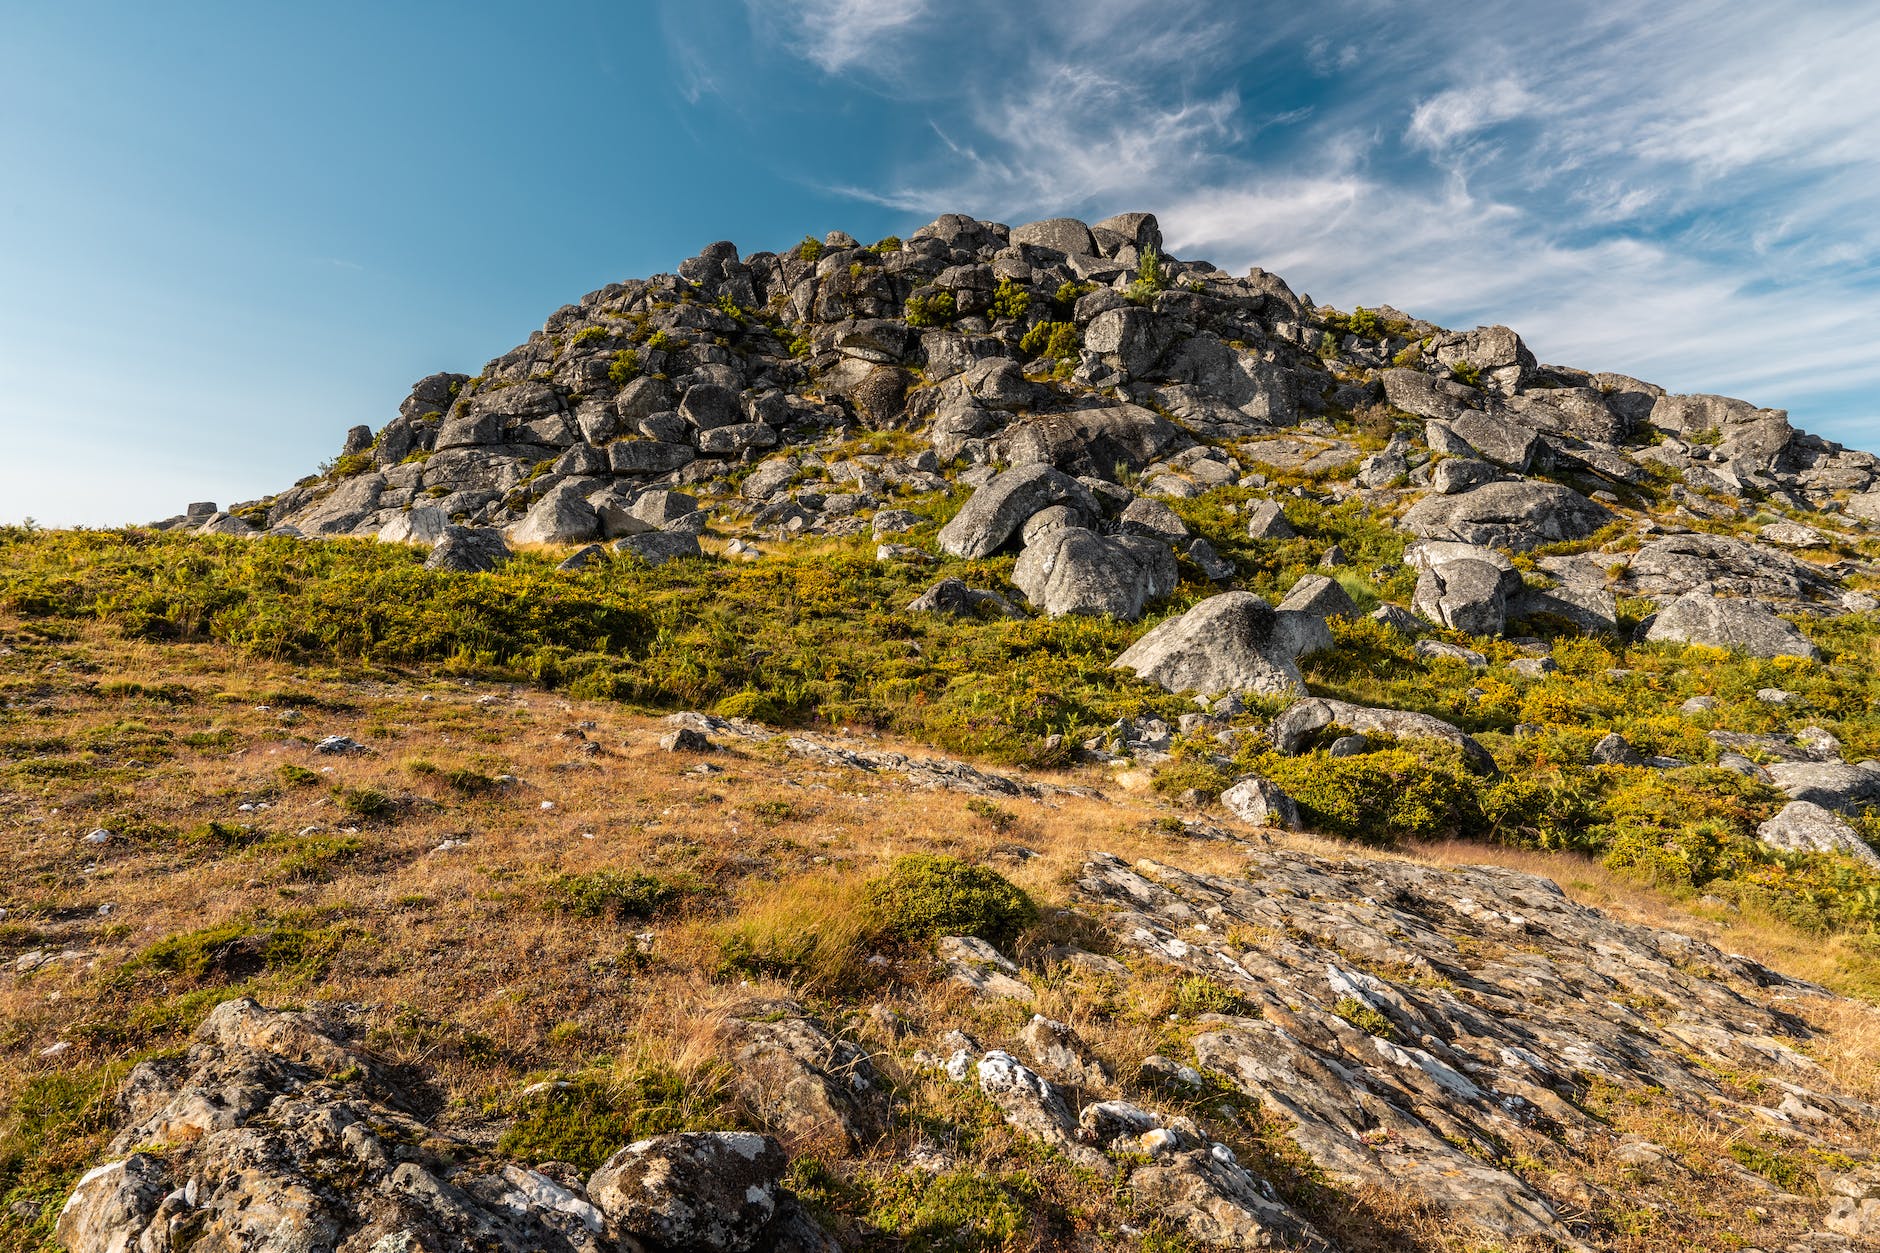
x=421, y=524
x=1066, y=235
x=1463, y=586
x=1262, y=803
x=1129, y=339
x=656, y=548
x=1671, y=565
x=1097, y=443
x=1829, y=784
x=1074, y=570
x=468, y=550
x=1736, y=624
x=1743, y=432
x=1503, y=442
x=1518, y=515
x=1803, y=826
x=1304, y=718
x=1227, y=643
x=1495, y=353
x=713, y=1191
x=1321, y=596
x=996, y=511
x=563, y=516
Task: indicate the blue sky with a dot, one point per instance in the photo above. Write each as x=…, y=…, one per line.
x=234, y=230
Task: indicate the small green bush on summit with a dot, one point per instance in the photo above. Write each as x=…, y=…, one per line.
x=935, y=310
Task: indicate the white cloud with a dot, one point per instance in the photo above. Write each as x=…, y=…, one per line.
x=1462, y=111
x=838, y=35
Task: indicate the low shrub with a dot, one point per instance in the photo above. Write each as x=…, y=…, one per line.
x=616, y=894
x=924, y=895
x=584, y=1121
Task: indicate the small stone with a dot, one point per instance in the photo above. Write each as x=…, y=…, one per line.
x=685, y=740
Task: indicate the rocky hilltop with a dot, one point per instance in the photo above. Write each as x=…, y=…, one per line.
x=1447, y=817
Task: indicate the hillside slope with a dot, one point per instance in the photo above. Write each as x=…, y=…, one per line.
x=1003, y=739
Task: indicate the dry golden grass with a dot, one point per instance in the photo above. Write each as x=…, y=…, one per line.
x=483, y=986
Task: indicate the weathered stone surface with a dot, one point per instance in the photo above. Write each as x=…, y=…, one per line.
x=1803, y=826
x=1227, y=643
x=953, y=596
x=656, y=548
x=1319, y=595
x=714, y=1191
x=1094, y=442
x=468, y=550
x=1830, y=784
x=1262, y=803
x=563, y=516
x=1066, y=235
x=1742, y=626
x=1306, y=718
x=994, y=513
x=1667, y=567
x=1265, y=520
x=1073, y=570
x=1507, y=515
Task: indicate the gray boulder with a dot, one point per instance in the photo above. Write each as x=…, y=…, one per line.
x=952, y=596
x=1066, y=235
x=1741, y=626
x=1591, y=609
x=1128, y=339
x=713, y=1191
x=1321, y=596
x=421, y=524
x=1073, y=570
x=996, y=511
x=1463, y=595
x=1503, y=442
x=1803, y=826
x=1214, y=567
x=656, y=548
x=1454, y=475
x=1830, y=784
x=1261, y=802
x=468, y=550
x=1614, y=750
x=1518, y=515
x=660, y=506
x=561, y=517
x=1151, y=517
x=707, y=406
x=1227, y=643
x=1304, y=718
x=1266, y=520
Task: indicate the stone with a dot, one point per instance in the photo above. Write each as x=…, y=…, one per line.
x=1464, y=595
x=1382, y=469
x=1214, y=567
x=1830, y=784
x=1397, y=618
x=1517, y=515
x=1453, y=475
x=707, y=406
x=468, y=550
x=713, y=1191
x=1095, y=442
x=659, y=507
x=1505, y=443
x=1306, y=718
x=1442, y=650
x=1030, y=1103
x=1803, y=826
x=1151, y=517
x=804, y=1083
x=1265, y=520
x=1613, y=750
x=1066, y=235
x=686, y=740
x=1227, y=643
x=1738, y=625
x=587, y=557
x=563, y=516
x=953, y=596
x=1319, y=595
x=1261, y=803
x=656, y=548
x=995, y=512
x=1074, y=570
x=1129, y=339
x=421, y=524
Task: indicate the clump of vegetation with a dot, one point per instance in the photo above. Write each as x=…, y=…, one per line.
x=1152, y=276
x=624, y=368
x=937, y=309
x=241, y=949
x=662, y=341
x=993, y=814
x=886, y=244
x=810, y=250
x=1010, y=300
x=589, y=335
x=960, y=1211
x=1364, y=1018
x=366, y=804
x=608, y=893
x=585, y=1120
x=297, y=776
x=1466, y=372
x=924, y=895
x=1056, y=340
x=1198, y=994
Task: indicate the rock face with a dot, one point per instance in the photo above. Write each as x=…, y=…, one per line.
x=996, y=511
x=467, y=551
x=1803, y=826
x=291, y=1137
x=1308, y=717
x=1507, y=515
x=1227, y=643
x=1741, y=626
x=1396, y=1016
x=1072, y=570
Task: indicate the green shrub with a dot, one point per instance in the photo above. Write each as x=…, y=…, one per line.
x=1364, y=322
x=1364, y=1018
x=754, y=705
x=1198, y=994
x=993, y=814
x=810, y=250
x=1410, y=358
x=1151, y=277
x=1383, y=796
x=1466, y=372
x=624, y=368
x=619, y=894
x=297, y=776
x=935, y=310
x=1010, y=300
x=241, y=949
x=886, y=244
x=367, y=804
x=661, y=341
x=961, y=1211
x=1056, y=340
x=925, y=895
x=1069, y=293
x=349, y=465
x=589, y=335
